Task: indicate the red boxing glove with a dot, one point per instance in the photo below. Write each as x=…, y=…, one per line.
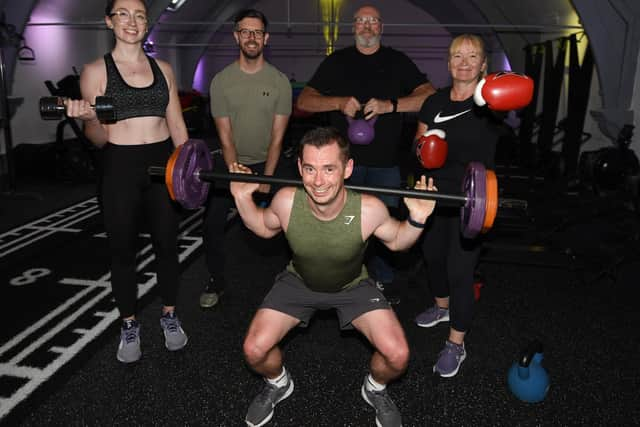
x=504, y=91
x=432, y=149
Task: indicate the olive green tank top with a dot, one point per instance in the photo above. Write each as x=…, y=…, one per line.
x=327, y=255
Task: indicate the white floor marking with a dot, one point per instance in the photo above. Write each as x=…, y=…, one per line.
x=36, y=376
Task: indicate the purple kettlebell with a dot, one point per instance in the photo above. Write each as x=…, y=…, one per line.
x=361, y=131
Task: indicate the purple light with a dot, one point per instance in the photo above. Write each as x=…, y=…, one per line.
x=199, y=78
x=504, y=61
x=41, y=39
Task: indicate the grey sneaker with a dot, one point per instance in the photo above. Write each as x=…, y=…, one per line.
x=387, y=413
x=174, y=336
x=432, y=316
x=129, y=347
x=261, y=409
x=211, y=295
x=450, y=359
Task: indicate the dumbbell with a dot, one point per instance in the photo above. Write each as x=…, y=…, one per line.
x=53, y=108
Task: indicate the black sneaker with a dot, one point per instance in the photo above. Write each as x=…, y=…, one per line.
x=211, y=295
x=387, y=413
x=261, y=409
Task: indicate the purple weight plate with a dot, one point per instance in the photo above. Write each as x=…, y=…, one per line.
x=189, y=190
x=473, y=211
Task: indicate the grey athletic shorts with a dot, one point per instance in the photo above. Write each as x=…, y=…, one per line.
x=289, y=295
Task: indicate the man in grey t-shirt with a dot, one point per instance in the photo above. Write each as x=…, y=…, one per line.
x=251, y=105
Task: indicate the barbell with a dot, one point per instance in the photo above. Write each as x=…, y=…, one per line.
x=188, y=174
x=54, y=108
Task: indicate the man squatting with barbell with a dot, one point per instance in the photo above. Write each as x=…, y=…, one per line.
x=328, y=228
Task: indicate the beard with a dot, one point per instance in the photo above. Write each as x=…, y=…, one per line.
x=250, y=54
x=367, y=41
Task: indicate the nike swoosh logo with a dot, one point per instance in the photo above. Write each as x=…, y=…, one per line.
x=440, y=119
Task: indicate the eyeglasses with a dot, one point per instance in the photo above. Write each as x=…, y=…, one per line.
x=125, y=17
x=371, y=20
x=245, y=33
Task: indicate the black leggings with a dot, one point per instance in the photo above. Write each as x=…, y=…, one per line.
x=129, y=196
x=451, y=261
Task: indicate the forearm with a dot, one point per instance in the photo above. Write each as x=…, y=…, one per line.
x=229, y=154
x=175, y=120
x=178, y=132
x=275, y=147
x=413, y=102
x=273, y=155
x=313, y=101
x=95, y=132
x=406, y=236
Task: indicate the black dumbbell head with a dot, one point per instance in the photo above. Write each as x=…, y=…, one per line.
x=51, y=108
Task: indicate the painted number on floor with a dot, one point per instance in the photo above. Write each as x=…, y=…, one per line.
x=30, y=276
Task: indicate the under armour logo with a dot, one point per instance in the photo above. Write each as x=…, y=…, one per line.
x=348, y=219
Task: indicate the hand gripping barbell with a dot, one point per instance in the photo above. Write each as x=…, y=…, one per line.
x=189, y=171
x=53, y=108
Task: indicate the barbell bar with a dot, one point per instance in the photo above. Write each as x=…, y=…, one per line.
x=189, y=171
x=54, y=108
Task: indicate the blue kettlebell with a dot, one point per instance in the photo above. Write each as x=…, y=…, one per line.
x=528, y=380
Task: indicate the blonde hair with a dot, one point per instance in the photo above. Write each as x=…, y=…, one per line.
x=475, y=40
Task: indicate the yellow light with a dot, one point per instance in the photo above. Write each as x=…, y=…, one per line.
x=330, y=10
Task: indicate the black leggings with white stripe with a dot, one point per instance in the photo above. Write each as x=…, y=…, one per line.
x=129, y=197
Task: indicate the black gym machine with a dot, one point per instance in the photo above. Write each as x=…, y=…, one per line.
x=568, y=191
x=10, y=39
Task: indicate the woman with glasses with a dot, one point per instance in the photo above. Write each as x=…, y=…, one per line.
x=471, y=134
x=148, y=126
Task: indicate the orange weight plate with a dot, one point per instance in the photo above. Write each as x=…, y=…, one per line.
x=168, y=173
x=491, y=201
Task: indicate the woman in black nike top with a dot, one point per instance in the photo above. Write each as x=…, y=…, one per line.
x=471, y=135
x=148, y=126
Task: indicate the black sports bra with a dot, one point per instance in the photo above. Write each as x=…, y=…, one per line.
x=130, y=101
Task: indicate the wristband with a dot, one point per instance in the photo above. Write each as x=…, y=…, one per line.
x=394, y=102
x=415, y=223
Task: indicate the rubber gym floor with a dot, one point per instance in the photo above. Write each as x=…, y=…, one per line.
x=569, y=281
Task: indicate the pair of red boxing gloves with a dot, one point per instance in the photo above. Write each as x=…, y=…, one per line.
x=503, y=91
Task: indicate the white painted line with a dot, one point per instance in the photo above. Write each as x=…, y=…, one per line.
x=7, y=369
x=49, y=316
x=38, y=233
x=187, y=244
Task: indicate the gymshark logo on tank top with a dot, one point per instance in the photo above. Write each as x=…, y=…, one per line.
x=348, y=219
x=440, y=119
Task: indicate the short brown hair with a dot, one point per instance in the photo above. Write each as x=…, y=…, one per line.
x=321, y=136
